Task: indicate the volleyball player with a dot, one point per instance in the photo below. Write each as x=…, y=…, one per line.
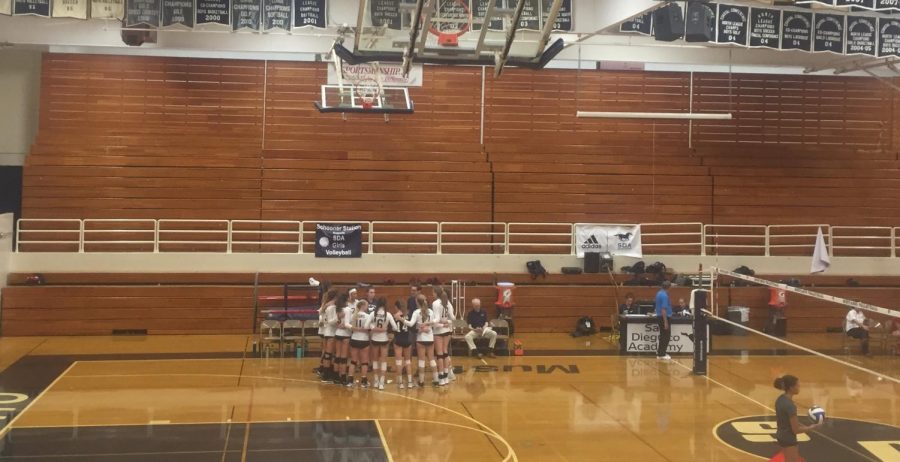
x=423, y=318
x=379, y=322
x=786, y=417
x=402, y=344
x=327, y=323
x=444, y=316
x=342, y=336
x=359, y=344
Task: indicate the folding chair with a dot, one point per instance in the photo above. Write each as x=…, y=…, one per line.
x=501, y=327
x=459, y=332
x=311, y=334
x=269, y=336
x=292, y=335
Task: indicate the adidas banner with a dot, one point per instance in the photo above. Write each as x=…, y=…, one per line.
x=624, y=240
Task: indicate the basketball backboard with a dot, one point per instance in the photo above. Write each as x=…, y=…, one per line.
x=489, y=32
x=352, y=98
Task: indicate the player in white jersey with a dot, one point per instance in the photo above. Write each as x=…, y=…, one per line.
x=443, y=311
x=402, y=344
x=359, y=344
x=326, y=331
x=423, y=320
x=342, y=336
x=379, y=322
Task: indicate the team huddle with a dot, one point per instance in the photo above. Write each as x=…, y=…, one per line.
x=358, y=333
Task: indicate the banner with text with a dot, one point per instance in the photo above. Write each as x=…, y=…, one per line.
x=77, y=9
x=624, y=240
x=391, y=74
x=338, y=241
x=108, y=9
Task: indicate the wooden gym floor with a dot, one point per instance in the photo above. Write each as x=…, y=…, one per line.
x=198, y=398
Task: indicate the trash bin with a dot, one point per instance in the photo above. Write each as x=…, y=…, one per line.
x=739, y=315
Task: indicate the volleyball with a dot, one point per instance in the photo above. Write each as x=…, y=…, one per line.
x=817, y=414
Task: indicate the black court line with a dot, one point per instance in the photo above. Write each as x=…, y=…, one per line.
x=268, y=442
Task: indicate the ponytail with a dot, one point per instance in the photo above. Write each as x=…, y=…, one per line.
x=786, y=382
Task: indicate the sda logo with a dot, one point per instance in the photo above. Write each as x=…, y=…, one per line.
x=843, y=440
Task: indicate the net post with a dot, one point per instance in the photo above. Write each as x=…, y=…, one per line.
x=699, y=304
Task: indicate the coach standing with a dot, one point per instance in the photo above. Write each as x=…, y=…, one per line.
x=664, y=313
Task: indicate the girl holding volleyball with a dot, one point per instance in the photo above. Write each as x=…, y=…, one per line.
x=786, y=416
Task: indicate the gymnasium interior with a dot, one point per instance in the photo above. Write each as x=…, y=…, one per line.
x=183, y=182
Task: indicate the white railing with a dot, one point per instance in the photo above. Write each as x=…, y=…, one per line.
x=298, y=237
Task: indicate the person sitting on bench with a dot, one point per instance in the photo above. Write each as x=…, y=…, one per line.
x=856, y=327
x=479, y=327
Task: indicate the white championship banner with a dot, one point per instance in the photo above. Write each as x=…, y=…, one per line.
x=623, y=240
x=817, y=295
x=107, y=9
x=70, y=9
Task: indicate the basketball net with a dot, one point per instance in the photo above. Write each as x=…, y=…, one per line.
x=450, y=21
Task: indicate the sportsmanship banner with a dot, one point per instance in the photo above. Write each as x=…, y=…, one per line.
x=338, y=240
x=624, y=240
x=391, y=74
x=817, y=295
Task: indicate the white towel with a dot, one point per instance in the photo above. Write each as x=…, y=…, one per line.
x=821, y=260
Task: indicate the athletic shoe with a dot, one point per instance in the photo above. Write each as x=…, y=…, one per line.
x=435, y=384
x=381, y=386
x=411, y=384
x=364, y=383
x=421, y=384
x=349, y=384
x=451, y=376
x=491, y=354
x=480, y=356
x=664, y=358
x=400, y=384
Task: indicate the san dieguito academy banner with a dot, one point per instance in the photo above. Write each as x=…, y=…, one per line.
x=335, y=240
x=624, y=240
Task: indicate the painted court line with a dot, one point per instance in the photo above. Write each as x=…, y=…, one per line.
x=12, y=422
x=387, y=449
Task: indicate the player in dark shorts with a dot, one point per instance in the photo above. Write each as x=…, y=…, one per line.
x=359, y=344
x=403, y=345
x=342, y=337
x=786, y=417
x=380, y=323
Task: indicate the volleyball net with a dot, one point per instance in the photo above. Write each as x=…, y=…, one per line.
x=760, y=329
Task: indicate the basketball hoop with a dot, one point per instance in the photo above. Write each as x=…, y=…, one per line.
x=368, y=91
x=451, y=21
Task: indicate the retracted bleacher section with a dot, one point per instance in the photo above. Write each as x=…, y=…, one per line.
x=223, y=303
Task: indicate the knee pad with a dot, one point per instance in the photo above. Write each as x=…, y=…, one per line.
x=407, y=362
x=327, y=356
x=384, y=366
x=365, y=364
x=432, y=363
x=422, y=364
x=398, y=363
